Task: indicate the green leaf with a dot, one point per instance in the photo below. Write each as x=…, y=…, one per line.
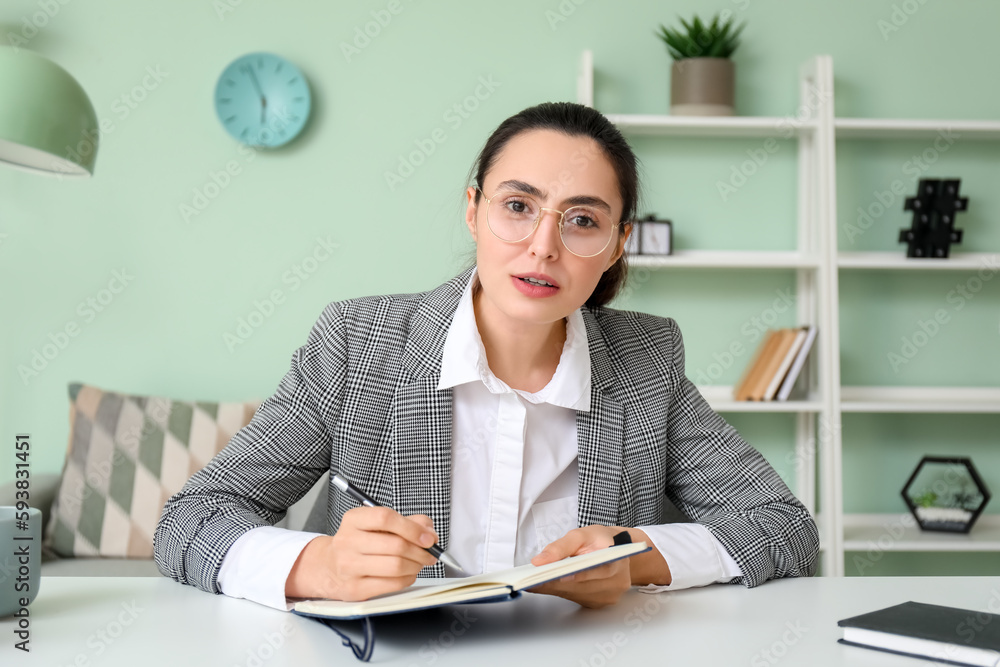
x=698, y=38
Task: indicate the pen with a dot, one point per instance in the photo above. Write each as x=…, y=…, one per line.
x=365, y=500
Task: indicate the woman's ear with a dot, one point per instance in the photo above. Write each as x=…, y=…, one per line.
x=622, y=238
x=470, y=211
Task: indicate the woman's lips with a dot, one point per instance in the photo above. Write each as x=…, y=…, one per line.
x=529, y=285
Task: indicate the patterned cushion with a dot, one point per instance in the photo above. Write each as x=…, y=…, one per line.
x=127, y=455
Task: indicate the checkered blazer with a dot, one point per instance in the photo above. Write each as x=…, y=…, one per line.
x=360, y=398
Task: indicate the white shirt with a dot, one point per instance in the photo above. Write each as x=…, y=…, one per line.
x=513, y=456
x=514, y=477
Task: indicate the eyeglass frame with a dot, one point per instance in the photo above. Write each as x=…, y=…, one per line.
x=534, y=226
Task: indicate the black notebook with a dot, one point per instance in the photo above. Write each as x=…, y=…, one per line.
x=930, y=631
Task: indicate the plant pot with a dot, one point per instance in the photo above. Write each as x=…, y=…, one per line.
x=945, y=519
x=702, y=87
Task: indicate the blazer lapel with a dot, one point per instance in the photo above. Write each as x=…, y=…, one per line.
x=423, y=415
x=422, y=452
x=599, y=438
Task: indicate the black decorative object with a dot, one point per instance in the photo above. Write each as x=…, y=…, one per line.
x=945, y=494
x=650, y=236
x=934, y=208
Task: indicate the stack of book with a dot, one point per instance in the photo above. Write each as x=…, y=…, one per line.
x=776, y=365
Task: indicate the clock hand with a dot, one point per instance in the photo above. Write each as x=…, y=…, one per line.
x=253, y=78
x=256, y=85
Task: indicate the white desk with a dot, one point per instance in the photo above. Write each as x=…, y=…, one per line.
x=150, y=621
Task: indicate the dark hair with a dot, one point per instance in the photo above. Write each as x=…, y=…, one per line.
x=574, y=120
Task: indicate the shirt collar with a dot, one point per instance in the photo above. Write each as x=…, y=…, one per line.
x=464, y=360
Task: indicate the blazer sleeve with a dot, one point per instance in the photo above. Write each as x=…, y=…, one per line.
x=720, y=481
x=266, y=467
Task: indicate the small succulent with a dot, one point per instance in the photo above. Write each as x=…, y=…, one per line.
x=717, y=39
x=926, y=499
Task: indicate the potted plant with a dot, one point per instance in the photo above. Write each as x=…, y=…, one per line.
x=702, y=77
x=946, y=494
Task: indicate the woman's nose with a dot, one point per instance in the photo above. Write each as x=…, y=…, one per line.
x=547, y=239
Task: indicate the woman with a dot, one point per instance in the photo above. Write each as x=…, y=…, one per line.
x=507, y=415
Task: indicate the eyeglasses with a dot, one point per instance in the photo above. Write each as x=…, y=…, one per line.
x=513, y=216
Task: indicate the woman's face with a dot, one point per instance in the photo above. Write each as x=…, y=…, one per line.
x=559, y=171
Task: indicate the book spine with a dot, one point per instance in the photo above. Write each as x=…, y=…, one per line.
x=798, y=337
x=793, y=373
x=753, y=369
x=783, y=340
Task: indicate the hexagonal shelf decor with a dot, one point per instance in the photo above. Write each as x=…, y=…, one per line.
x=945, y=494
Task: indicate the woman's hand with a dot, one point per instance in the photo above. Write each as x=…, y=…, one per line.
x=603, y=585
x=376, y=550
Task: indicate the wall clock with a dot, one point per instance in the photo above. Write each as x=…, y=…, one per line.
x=262, y=100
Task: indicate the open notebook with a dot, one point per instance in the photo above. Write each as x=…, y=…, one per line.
x=489, y=587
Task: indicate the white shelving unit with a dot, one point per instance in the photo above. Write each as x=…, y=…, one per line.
x=818, y=263
x=695, y=126
x=942, y=400
x=811, y=260
x=720, y=397
x=728, y=259
x=906, y=128
x=879, y=533
x=867, y=532
x=959, y=261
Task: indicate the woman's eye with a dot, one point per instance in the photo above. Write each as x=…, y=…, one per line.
x=519, y=207
x=582, y=219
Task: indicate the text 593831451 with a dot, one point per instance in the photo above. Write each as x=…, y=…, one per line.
x=21, y=548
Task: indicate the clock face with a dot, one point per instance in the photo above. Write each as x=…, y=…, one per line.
x=262, y=100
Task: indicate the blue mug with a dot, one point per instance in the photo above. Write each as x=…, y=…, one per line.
x=20, y=559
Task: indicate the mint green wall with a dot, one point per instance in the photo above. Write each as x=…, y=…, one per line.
x=192, y=280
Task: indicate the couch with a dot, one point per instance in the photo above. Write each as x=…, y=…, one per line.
x=127, y=454
x=308, y=514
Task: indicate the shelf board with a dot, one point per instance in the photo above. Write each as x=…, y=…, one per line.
x=959, y=261
x=962, y=400
x=779, y=127
x=899, y=532
x=727, y=259
x=720, y=397
x=897, y=128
